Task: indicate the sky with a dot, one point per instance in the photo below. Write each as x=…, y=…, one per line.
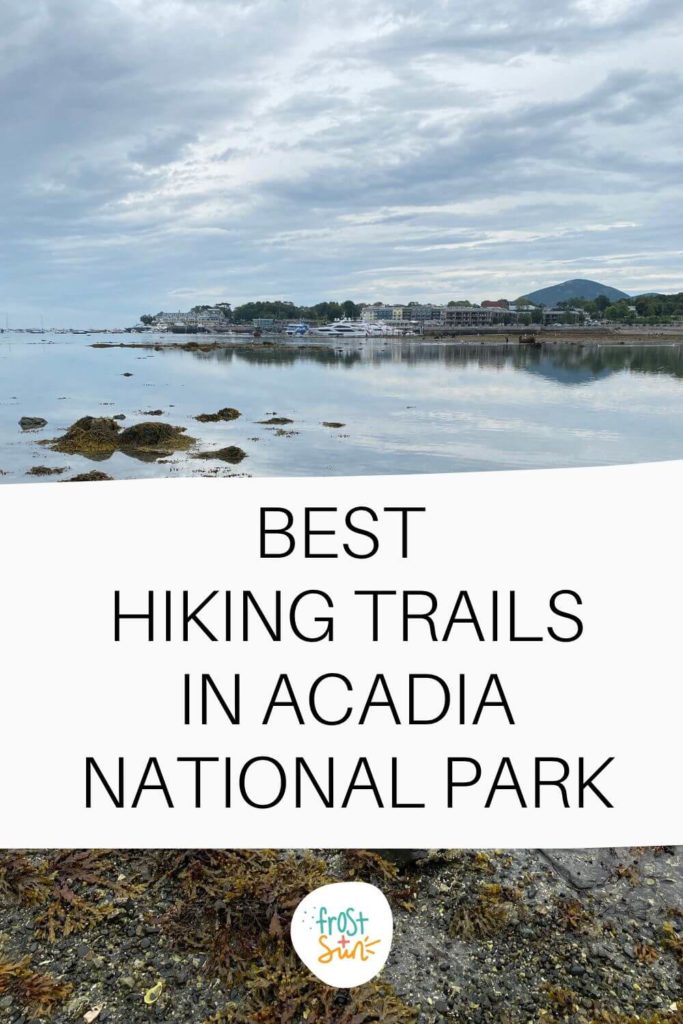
x=156, y=154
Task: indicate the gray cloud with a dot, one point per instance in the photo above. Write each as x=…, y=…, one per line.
x=161, y=153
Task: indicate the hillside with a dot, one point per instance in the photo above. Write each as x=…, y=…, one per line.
x=577, y=288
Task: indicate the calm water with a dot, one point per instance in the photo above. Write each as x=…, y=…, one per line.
x=408, y=407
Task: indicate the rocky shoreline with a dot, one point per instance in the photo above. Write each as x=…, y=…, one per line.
x=201, y=937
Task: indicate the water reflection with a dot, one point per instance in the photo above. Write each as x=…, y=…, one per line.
x=565, y=364
x=406, y=407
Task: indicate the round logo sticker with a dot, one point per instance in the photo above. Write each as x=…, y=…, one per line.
x=343, y=932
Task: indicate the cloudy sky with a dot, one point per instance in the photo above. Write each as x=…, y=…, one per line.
x=159, y=153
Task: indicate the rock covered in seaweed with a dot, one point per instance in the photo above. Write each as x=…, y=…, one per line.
x=223, y=415
x=101, y=436
x=45, y=470
x=154, y=437
x=93, y=475
x=231, y=454
x=32, y=422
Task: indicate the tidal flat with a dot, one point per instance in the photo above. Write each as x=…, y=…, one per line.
x=364, y=406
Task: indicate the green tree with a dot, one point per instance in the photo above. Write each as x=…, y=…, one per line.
x=350, y=309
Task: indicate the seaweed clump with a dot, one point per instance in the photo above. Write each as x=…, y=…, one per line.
x=658, y=1017
x=223, y=415
x=672, y=941
x=67, y=891
x=101, y=436
x=278, y=991
x=154, y=437
x=489, y=912
x=232, y=454
x=88, y=435
x=573, y=916
x=561, y=1002
x=45, y=470
x=91, y=477
x=226, y=900
x=235, y=907
x=38, y=994
x=25, y=880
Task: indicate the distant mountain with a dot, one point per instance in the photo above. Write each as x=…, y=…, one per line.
x=577, y=288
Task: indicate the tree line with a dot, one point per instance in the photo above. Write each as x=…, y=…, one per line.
x=275, y=309
x=652, y=309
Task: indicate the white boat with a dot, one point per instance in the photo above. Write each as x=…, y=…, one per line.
x=342, y=329
x=379, y=328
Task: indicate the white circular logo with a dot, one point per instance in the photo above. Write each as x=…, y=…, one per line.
x=343, y=932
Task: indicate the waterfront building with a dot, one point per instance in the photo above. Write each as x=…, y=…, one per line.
x=380, y=311
x=476, y=316
x=198, y=318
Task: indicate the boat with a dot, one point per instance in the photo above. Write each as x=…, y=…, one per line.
x=296, y=330
x=379, y=328
x=341, y=329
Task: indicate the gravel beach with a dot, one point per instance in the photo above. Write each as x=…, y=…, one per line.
x=202, y=936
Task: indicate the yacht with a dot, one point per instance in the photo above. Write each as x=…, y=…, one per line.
x=379, y=328
x=342, y=329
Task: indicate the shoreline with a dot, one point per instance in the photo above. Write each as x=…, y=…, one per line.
x=554, y=339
